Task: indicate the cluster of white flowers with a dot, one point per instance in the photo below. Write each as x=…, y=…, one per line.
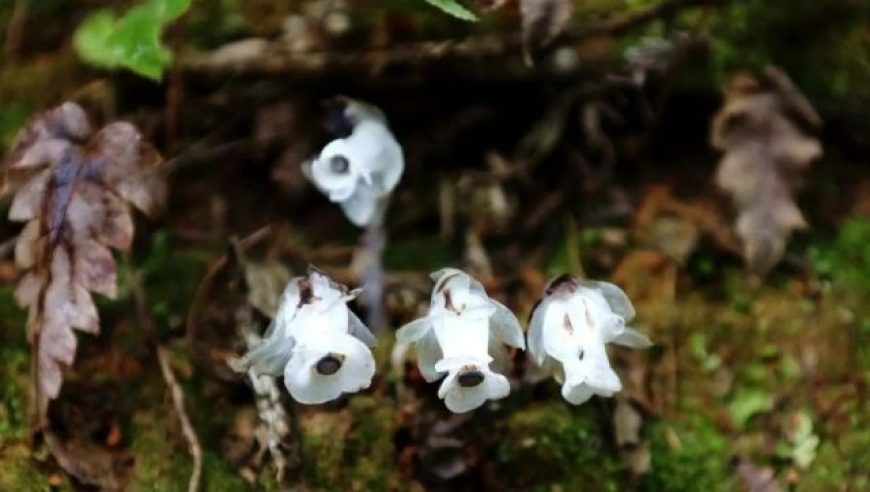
x=360, y=170
x=465, y=331
x=320, y=346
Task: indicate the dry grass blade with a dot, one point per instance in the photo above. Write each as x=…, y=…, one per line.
x=72, y=188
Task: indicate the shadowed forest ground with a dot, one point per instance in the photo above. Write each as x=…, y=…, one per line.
x=759, y=386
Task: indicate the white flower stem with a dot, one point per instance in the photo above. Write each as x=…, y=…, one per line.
x=374, y=240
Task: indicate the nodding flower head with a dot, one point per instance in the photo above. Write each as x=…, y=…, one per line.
x=570, y=328
x=320, y=345
x=462, y=334
x=359, y=169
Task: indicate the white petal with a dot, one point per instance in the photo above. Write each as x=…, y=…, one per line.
x=414, y=331
x=323, y=289
x=449, y=364
x=377, y=152
x=448, y=278
x=576, y=394
x=562, y=333
x=439, y=275
x=535, y=333
x=448, y=384
x=428, y=354
x=482, y=312
x=506, y=326
x=271, y=356
x=592, y=375
x=460, y=337
x=460, y=399
x=338, y=186
x=616, y=298
x=307, y=385
x=469, y=299
x=359, y=330
x=633, y=338
x=362, y=206
x=288, y=304
x=589, y=312
x=390, y=174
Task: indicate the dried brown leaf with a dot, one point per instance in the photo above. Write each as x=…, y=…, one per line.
x=765, y=153
x=73, y=189
x=543, y=21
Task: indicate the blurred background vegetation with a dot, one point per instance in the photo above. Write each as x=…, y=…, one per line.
x=750, y=387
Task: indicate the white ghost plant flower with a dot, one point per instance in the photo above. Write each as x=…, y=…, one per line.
x=461, y=333
x=570, y=328
x=321, y=347
x=360, y=170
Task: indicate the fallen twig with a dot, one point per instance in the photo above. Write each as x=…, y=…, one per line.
x=481, y=55
x=147, y=324
x=186, y=427
x=213, y=271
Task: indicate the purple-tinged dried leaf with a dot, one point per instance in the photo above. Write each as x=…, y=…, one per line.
x=765, y=152
x=45, y=139
x=73, y=191
x=543, y=21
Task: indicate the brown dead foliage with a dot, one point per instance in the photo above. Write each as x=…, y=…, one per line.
x=762, y=129
x=73, y=187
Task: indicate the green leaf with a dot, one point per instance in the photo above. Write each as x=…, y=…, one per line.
x=132, y=41
x=748, y=403
x=453, y=8
x=91, y=37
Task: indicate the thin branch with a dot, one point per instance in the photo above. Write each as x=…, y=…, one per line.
x=640, y=17
x=186, y=427
x=485, y=55
x=205, y=285
x=187, y=430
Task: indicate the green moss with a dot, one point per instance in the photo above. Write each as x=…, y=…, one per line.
x=322, y=445
x=846, y=258
x=370, y=446
x=18, y=471
x=552, y=445
x=351, y=449
x=14, y=369
x=689, y=456
x=162, y=463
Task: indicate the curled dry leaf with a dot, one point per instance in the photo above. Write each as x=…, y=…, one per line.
x=759, y=129
x=543, y=21
x=72, y=187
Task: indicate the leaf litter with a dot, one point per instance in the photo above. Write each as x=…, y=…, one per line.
x=73, y=187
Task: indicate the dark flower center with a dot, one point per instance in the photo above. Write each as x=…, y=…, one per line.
x=339, y=164
x=470, y=379
x=328, y=365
